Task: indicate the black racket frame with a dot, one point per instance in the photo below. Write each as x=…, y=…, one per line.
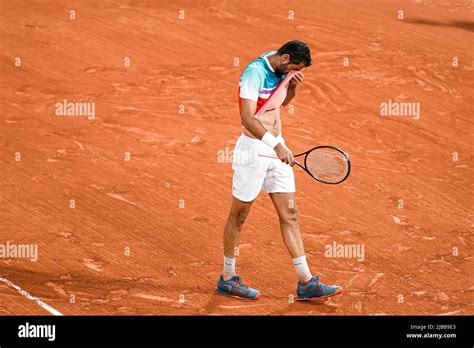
x=305, y=168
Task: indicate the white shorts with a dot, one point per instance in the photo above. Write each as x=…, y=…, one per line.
x=253, y=172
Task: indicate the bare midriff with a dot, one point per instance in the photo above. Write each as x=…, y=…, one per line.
x=270, y=119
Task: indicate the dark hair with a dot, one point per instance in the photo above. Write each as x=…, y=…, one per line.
x=298, y=52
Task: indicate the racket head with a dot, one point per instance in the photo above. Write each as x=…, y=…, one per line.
x=327, y=164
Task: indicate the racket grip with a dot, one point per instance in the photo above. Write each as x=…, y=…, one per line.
x=268, y=156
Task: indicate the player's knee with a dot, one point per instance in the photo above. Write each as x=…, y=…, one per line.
x=238, y=217
x=241, y=217
x=290, y=217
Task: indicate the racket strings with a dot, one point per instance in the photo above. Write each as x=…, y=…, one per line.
x=327, y=164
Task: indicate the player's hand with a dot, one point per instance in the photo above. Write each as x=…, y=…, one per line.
x=296, y=80
x=284, y=154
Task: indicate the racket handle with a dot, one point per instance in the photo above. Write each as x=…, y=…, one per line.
x=268, y=156
x=299, y=165
x=275, y=157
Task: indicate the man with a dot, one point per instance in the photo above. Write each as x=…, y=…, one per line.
x=262, y=135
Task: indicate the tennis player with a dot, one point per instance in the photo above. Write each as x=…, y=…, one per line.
x=262, y=135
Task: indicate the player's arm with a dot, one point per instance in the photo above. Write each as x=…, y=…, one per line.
x=250, y=83
x=289, y=95
x=295, y=81
x=249, y=89
x=254, y=126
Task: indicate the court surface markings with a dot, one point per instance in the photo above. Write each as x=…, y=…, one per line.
x=31, y=297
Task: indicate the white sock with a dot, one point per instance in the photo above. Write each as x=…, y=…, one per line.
x=229, y=267
x=302, y=268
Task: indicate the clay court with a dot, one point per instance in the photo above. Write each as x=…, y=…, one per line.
x=150, y=174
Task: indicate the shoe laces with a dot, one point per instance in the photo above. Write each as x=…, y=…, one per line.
x=314, y=282
x=318, y=283
x=239, y=280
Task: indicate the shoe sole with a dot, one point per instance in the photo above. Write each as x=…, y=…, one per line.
x=317, y=297
x=238, y=297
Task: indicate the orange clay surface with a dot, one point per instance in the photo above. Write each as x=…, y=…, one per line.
x=145, y=236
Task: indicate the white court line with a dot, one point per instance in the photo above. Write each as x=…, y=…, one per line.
x=31, y=297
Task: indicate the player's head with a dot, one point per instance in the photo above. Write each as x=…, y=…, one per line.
x=294, y=55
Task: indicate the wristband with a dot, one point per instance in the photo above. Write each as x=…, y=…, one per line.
x=270, y=140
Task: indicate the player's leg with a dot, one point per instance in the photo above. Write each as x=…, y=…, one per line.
x=280, y=184
x=247, y=181
x=308, y=286
x=233, y=227
x=229, y=283
x=287, y=210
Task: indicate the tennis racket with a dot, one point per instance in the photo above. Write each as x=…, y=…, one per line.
x=326, y=164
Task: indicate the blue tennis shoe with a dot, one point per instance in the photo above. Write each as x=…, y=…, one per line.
x=234, y=287
x=315, y=289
